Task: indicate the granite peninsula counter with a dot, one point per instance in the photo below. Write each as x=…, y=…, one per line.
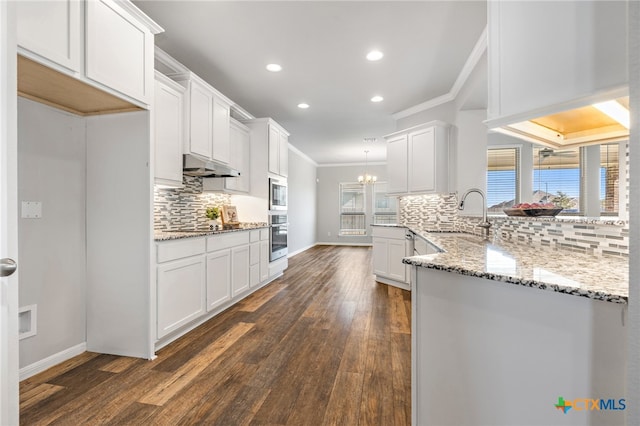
x=482, y=330
x=538, y=266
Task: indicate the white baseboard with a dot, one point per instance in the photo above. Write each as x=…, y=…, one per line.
x=290, y=255
x=50, y=361
x=344, y=244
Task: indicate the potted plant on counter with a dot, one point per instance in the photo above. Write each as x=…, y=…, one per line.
x=213, y=214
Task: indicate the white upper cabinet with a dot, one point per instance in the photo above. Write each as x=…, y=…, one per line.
x=168, y=115
x=550, y=54
x=221, y=117
x=240, y=159
x=278, y=151
x=419, y=160
x=119, y=50
x=53, y=30
x=104, y=43
x=207, y=117
x=199, y=131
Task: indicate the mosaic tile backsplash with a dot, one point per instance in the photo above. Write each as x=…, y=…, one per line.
x=184, y=208
x=439, y=213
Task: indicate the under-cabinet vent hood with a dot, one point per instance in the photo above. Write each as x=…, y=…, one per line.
x=194, y=166
x=580, y=126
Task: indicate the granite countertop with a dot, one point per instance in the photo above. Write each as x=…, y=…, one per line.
x=538, y=266
x=163, y=235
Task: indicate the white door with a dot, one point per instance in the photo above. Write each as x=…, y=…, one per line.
x=8, y=220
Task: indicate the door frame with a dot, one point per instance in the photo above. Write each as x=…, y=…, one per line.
x=9, y=365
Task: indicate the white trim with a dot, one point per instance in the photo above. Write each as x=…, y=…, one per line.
x=474, y=57
x=169, y=61
x=290, y=255
x=302, y=154
x=139, y=15
x=394, y=283
x=377, y=163
x=50, y=361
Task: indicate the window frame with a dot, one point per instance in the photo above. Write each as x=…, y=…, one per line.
x=518, y=166
x=374, y=210
x=352, y=232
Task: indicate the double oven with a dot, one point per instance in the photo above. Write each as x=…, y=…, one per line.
x=278, y=222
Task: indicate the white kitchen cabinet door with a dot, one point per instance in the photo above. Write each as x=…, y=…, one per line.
x=168, y=131
x=118, y=50
x=396, y=252
x=274, y=150
x=200, y=116
x=283, y=155
x=422, y=161
x=221, y=117
x=180, y=293
x=264, y=260
x=397, y=163
x=380, y=255
x=240, y=159
x=53, y=30
x=218, y=278
x=239, y=269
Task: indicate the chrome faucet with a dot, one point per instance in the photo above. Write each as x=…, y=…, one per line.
x=485, y=225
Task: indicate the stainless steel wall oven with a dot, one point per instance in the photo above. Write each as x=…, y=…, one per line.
x=278, y=235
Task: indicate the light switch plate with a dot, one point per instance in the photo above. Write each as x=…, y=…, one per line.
x=31, y=209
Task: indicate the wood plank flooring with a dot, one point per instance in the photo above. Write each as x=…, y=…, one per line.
x=323, y=345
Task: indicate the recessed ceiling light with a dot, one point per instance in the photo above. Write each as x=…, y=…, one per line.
x=377, y=98
x=274, y=67
x=303, y=105
x=375, y=55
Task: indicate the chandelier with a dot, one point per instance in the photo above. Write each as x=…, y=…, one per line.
x=366, y=178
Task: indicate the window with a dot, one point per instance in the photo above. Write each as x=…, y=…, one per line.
x=502, y=178
x=352, y=209
x=609, y=179
x=385, y=208
x=557, y=178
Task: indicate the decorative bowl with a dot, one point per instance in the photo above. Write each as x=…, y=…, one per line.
x=535, y=212
x=543, y=212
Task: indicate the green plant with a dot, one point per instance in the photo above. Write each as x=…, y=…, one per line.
x=213, y=213
x=562, y=200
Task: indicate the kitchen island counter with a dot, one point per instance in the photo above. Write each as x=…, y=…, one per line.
x=530, y=265
x=166, y=235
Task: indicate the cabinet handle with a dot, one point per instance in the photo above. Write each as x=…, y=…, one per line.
x=7, y=267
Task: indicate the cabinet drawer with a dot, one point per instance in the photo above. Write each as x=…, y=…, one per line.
x=223, y=241
x=396, y=233
x=180, y=249
x=264, y=234
x=254, y=236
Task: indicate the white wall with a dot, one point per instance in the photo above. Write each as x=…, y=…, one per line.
x=302, y=202
x=445, y=112
x=472, y=157
x=328, y=207
x=51, y=170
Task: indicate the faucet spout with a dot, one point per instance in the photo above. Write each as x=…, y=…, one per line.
x=485, y=224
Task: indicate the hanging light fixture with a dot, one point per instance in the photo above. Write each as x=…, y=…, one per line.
x=366, y=178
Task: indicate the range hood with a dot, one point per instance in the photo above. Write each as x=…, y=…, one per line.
x=586, y=125
x=194, y=166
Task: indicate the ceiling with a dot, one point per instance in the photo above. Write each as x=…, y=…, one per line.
x=321, y=46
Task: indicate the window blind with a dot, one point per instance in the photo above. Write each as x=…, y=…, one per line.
x=502, y=178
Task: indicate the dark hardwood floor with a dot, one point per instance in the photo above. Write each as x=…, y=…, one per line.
x=323, y=345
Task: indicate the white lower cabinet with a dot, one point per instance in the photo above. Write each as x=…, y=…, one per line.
x=389, y=247
x=201, y=275
x=180, y=292
x=239, y=269
x=218, y=278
